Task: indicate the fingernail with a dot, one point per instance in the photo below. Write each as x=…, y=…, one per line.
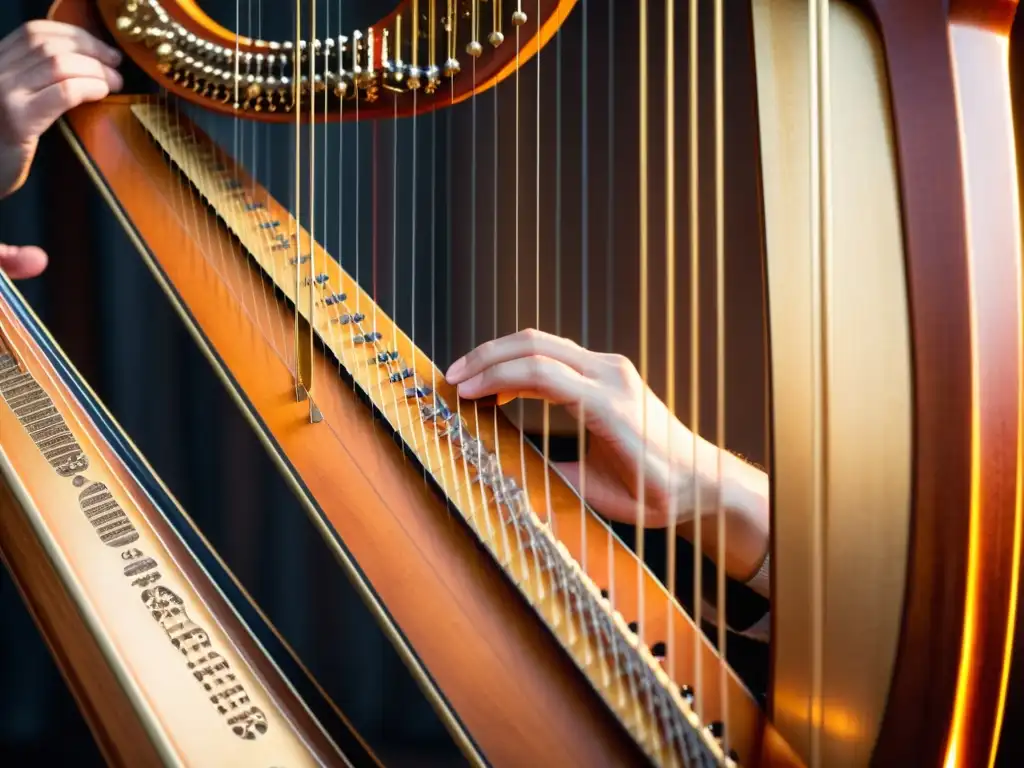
x=455, y=369
x=115, y=56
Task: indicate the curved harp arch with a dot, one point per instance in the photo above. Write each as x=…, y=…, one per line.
x=892, y=257
x=423, y=48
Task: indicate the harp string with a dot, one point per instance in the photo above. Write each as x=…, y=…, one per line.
x=671, y=539
x=720, y=601
x=546, y=417
x=609, y=307
x=558, y=249
x=332, y=44
x=584, y=298
x=518, y=176
x=644, y=247
x=413, y=210
x=297, y=193
x=494, y=288
x=307, y=345
x=267, y=300
x=506, y=555
x=474, y=175
x=340, y=47
x=695, y=377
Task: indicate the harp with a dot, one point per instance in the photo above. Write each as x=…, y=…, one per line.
x=887, y=228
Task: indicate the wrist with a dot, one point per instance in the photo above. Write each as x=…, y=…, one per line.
x=746, y=500
x=742, y=490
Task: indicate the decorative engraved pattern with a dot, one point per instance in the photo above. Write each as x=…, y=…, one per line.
x=632, y=682
x=52, y=436
x=107, y=517
x=40, y=418
x=208, y=667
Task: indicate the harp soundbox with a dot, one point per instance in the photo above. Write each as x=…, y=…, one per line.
x=890, y=246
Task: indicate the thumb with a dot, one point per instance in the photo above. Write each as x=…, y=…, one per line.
x=21, y=262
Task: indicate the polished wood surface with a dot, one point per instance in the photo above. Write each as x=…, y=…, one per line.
x=135, y=659
x=966, y=371
x=532, y=705
x=981, y=67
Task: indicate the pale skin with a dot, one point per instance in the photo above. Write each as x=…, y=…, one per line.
x=606, y=391
x=46, y=69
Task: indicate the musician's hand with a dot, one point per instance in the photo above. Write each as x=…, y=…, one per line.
x=606, y=391
x=46, y=68
x=21, y=263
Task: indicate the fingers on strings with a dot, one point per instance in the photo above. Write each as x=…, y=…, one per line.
x=533, y=363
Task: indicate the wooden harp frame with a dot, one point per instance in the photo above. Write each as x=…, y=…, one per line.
x=965, y=514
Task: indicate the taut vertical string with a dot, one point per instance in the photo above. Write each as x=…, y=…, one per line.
x=307, y=343
x=644, y=245
x=720, y=601
x=698, y=547
x=671, y=538
x=546, y=427
x=584, y=277
x=609, y=307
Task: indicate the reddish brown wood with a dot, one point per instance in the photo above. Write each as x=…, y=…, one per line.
x=1011, y=748
x=921, y=701
x=994, y=15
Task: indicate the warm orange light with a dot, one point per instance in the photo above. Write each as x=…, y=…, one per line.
x=1018, y=509
x=837, y=723
x=965, y=681
x=200, y=17
x=970, y=606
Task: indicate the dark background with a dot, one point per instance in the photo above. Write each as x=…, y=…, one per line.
x=101, y=304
